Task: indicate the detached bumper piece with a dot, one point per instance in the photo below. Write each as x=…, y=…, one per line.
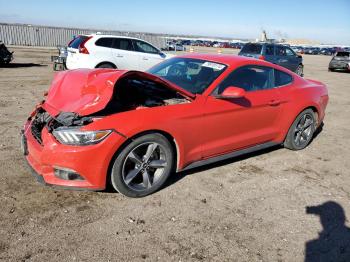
x=37, y=177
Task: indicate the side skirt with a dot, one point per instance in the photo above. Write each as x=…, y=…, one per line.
x=230, y=155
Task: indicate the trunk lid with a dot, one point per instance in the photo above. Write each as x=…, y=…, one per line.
x=86, y=91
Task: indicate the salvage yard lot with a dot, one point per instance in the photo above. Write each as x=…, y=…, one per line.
x=246, y=209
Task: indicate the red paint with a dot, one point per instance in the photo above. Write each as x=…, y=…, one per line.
x=205, y=127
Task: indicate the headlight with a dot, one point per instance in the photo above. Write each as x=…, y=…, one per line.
x=73, y=136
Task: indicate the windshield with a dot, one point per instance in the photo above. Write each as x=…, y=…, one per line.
x=193, y=75
x=343, y=54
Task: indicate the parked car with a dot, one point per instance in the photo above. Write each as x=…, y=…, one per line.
x=341, y=61
x=275, y=53
x=108, y=51
x=175, y=47
x=327, y=51
x=134, y=129
x=5, y=55
x=311, y=51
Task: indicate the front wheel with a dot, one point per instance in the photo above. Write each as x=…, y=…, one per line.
x=143, y=166
x=302, y=130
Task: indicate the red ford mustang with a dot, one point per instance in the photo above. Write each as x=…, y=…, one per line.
x=133, y=129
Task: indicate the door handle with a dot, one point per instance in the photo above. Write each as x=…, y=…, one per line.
x=145, y=58
x=274, y=102
x=118, y=55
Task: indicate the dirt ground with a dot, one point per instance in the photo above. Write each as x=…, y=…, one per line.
x=248, y=209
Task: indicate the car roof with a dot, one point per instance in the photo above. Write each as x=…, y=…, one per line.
x=267, y=43
x=114, y=36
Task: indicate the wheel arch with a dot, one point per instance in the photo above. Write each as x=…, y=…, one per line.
x=106, y=62
x=312, y=107
x=167, y=135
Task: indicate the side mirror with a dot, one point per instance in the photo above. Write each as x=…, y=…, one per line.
x=232, y=92
x=162, y=55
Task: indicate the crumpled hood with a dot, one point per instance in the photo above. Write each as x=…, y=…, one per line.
x=86, y=91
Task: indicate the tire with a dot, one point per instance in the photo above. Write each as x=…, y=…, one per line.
x=105, y=65
x=330, y=69
x=301, y=131
x=300, y=70
x=143, y=166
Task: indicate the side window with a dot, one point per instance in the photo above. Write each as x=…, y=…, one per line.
x=289, y=52
x=269, y=50
x=104, y=42
x=250, y=78
x=280, y=50
x=145, y=48
x=282, y=78
x=123, y=44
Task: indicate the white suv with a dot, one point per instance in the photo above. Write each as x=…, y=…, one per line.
x=108, y=51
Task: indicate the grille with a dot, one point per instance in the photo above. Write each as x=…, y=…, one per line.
x=36, y=131
x=38, y=124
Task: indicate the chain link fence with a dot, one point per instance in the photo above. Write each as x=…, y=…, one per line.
x=33, y=35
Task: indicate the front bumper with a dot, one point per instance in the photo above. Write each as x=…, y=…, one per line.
x=91, y=162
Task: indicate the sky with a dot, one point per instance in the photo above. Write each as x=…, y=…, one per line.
x=323, y=20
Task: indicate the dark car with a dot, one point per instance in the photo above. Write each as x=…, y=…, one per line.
x=327, y=51
x=341, y=61
x=275, y=53
x=5, y=55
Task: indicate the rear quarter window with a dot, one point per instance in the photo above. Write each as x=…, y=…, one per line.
x=282, y=78
x=77, y=41
x=104, y=42
x=252, y=49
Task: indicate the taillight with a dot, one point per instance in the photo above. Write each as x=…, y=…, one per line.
x=82, y=47
x=261, y=57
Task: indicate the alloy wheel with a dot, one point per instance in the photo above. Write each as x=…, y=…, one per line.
x=299, y=70
x=144, y=166
x=304, y=130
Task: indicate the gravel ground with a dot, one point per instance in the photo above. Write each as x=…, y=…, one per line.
x=251, y=208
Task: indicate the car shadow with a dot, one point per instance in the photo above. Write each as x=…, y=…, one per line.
x=341, y=71
x=17, y=65
x=333, y=243
x=182, y=174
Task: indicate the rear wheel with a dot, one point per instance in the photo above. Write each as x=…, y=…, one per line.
x=302, y=130
x=143, y=166
x=300, y=70
x=105, y=65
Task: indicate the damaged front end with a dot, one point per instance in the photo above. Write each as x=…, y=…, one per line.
x=63, y=120
x=70, y=137
x=65, y=127
x=55, y=148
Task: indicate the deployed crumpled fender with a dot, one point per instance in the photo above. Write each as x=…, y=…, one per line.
x=86, y=91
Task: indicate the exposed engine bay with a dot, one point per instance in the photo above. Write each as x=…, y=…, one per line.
x=129, y=94
x=134, y=93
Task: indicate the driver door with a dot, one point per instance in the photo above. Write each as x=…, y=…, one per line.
x=237, y=123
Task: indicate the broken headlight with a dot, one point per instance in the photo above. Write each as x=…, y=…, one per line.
x=74, y=136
